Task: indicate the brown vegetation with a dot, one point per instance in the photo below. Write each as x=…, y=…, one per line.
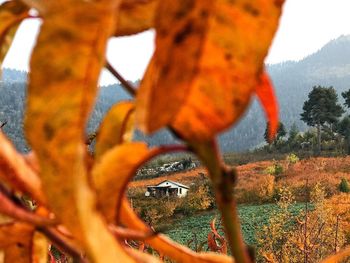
x=256, y=185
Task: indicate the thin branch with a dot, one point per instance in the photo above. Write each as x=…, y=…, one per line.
x=128, y=87
x=17, y=211
x=3, y=124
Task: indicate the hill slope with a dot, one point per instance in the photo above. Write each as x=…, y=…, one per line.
x=329, y=66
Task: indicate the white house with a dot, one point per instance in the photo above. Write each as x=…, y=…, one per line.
x=167, y=188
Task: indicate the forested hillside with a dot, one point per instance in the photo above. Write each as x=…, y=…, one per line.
x=330, y=66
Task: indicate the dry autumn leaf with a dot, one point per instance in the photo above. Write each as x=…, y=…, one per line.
x=17, y=173
x=60, y=96
x=218, y=74
x=207, y=64
x=11, y=14
x=15, y=241
x=116, y=127
x=239, y=35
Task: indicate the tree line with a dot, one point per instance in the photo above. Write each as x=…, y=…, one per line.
x=328, y=121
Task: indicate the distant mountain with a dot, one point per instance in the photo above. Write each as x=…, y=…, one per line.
x=329, y=66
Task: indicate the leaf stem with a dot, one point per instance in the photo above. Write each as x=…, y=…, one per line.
x=223, y=180
x=128, y=87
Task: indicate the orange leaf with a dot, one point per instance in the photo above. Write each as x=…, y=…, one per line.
x=136, y=16
x=239, y=35
x=266, y=95
x=21, y=244
x=117, y=126
x=15, y=241
x=216, y=51
x=11, y=14
x=61, y=94
x=181, y=30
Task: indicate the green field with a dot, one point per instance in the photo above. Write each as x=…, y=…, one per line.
x=253, y=217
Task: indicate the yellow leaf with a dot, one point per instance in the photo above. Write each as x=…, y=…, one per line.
x=136, y=16
x=11, y=14
x=113, y=172
x=117, y=127
x=65, y=66
x=220, y=73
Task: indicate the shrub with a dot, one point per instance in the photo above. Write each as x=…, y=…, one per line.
x=276, y=169
x=265, y=187
x=344, y=186
x=292, y=158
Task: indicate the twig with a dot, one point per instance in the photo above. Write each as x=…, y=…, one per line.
x=128, y=87
x=3, y=124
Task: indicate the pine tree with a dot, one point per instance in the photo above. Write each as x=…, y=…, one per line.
x=320, y=109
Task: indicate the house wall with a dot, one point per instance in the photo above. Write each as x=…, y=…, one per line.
x=183, y=192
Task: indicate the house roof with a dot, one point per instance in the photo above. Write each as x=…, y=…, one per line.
x=175, y=183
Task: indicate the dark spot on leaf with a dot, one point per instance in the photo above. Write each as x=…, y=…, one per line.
x=185, y=7
x=228, y=56
x=49, y=131
x=20, y=245
x=204, y=13
x=237, y=103
x=181, y=36
x=251, y=9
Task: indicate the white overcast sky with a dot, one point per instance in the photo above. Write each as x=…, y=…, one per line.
x=306, y=25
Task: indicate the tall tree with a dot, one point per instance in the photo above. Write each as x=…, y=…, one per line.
x=292, y=135
x=320, y=109
x=344, y=129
